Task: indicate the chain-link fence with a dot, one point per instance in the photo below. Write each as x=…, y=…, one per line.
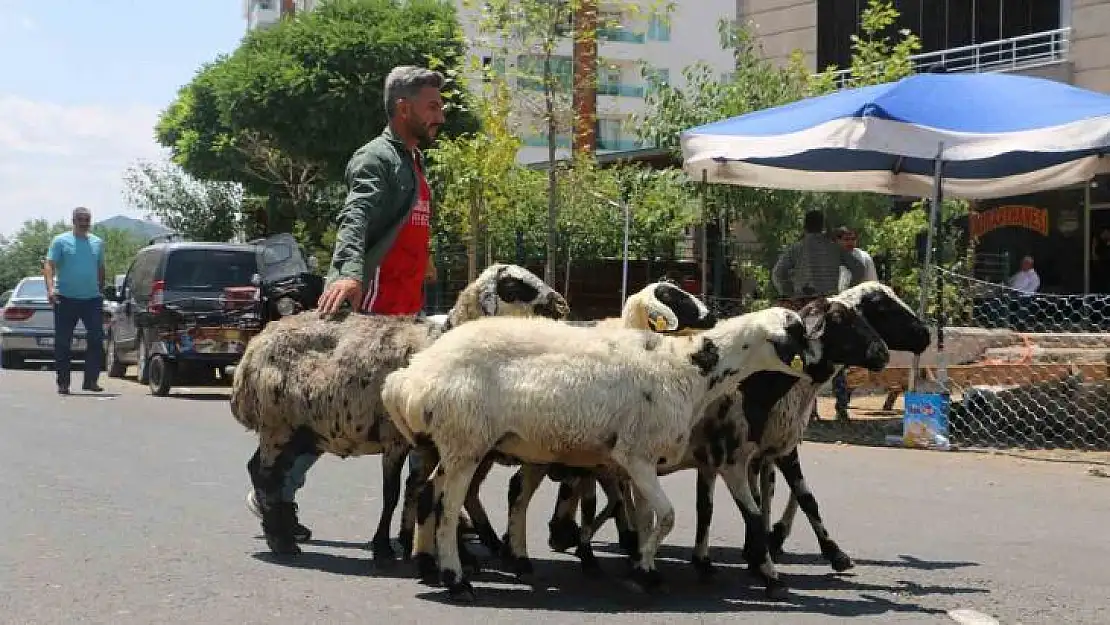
x=1023, y=370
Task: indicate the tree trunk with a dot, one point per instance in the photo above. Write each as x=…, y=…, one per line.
x=552, y=128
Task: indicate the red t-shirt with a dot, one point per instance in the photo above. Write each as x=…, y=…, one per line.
x=397, y=287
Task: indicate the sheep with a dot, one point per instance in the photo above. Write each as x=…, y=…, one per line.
x=544, y=392
x=900, y=329
x=309, y=385
x=661, y=305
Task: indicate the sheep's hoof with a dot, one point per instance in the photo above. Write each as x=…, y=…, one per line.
x=776, y=589
x=282, y=545
x=629, y=541
x=646, y=582
x=302, y=534
x=776, y=538
x=405, y=538
x=523, y=571
x=840, y=561
x=461, y=592
x=469, y=561
x=590, y=566
x=563, y=535
x=488, y=539
x=426, y=569
x=705, y=569
x=383, y=550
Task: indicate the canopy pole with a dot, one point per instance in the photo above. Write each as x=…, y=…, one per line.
x=704, y=235
x=923, y=281
x=938, y=257
x=1087, y=237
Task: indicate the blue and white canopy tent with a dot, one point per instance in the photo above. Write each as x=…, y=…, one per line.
x=971, y=136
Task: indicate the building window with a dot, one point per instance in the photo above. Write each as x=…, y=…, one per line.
x=660, y=75
x=941, y=24
x=659, y=28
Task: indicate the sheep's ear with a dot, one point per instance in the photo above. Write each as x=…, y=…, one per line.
x=814, y=323
x=662, y=319
x=488, y=301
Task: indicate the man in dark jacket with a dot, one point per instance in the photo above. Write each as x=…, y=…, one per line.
x=381, y=256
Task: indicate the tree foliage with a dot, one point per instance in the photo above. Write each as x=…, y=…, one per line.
x=283, y=113
x=775, y=216
x=200, y=210
x=23, y=254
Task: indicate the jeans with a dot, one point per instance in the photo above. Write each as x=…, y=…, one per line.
x=67, y=312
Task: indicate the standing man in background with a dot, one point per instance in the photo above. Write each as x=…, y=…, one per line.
x=382, y=251
x=76, y=259
x=848, y=239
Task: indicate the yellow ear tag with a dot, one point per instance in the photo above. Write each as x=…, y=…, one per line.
x=660, y=324
x=797, y=363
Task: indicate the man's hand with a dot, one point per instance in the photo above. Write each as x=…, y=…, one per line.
x=342, y=290
x=431, y=273
x=50, y=296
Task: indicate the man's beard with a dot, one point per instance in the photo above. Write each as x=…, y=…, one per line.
x=422, y=133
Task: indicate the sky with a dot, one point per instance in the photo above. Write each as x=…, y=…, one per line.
x=81, y=86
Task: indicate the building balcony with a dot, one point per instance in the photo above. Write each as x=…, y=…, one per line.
x=620, y=35
x=620, y=144
x=1028, y=54
x=540, y=141
x=620, y=89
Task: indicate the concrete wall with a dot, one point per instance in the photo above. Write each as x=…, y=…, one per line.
x=783, y=26
x=1090, y=44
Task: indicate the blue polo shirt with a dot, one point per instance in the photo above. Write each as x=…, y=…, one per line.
x=77, y=261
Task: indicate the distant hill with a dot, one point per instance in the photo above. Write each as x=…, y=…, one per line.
x=144, y=230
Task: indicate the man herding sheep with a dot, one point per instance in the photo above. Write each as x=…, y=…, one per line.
x=381, y=255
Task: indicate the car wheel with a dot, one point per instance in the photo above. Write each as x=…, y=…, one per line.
x=112, y=363
x=10, y=360
x=161, y=375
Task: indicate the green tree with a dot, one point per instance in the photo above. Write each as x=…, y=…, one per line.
x=283, y=113
x=197, y=209
x=527, y=34
x=120, y=247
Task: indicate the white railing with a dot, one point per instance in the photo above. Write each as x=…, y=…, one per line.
x=1015, y=53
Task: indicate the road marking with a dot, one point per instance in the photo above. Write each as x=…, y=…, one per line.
x=966, y=616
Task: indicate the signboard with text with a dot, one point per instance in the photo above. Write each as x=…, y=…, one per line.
x=1012, y=215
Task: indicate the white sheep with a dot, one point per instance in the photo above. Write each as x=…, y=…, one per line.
x=544, y=392
x=310, y=386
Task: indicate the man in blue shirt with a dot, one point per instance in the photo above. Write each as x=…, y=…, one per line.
x=76, y=259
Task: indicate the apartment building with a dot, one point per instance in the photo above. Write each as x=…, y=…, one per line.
x=263, y=13
x=628, y=41
x=1066, y=40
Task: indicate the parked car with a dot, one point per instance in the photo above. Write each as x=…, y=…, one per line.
x=27, y=326
x=5, y=296
x=186, y=310
x=110, y=303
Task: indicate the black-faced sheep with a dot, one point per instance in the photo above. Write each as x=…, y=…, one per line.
x=719, y=436
x=310, y=386
x=544, y=393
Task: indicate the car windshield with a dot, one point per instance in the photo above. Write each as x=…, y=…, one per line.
x=31, y=289
x=210, y=270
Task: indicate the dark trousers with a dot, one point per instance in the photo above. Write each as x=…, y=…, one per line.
x=67, y=312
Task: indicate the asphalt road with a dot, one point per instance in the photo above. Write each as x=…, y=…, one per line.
x=127, y=508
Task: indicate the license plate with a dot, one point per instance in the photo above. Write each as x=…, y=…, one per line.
x=48, y=341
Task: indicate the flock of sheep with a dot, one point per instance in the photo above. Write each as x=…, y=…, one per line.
x=504, y=378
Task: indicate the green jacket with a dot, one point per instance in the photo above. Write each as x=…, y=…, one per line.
x=381, y=183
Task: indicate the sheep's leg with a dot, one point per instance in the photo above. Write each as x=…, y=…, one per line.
x=766, y=490
x=707, y=478
x=780, y=531
x=563, y=532
x=427, y=493
x=791, y=469
x=759, y=561
x=422, y=461
x=522, y=487
x=393, y=461
x=478, y=517
x=454, y=480
x=587, y=491
x=646, y=481
x=620, y=490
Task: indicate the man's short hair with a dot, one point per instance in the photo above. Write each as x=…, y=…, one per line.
x=81, y=210
x=405, y=81
x=842, y=231
x=814, y=221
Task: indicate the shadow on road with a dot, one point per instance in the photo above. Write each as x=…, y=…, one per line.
x=561, y=586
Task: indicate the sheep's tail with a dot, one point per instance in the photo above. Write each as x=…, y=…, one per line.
x=407, y=416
